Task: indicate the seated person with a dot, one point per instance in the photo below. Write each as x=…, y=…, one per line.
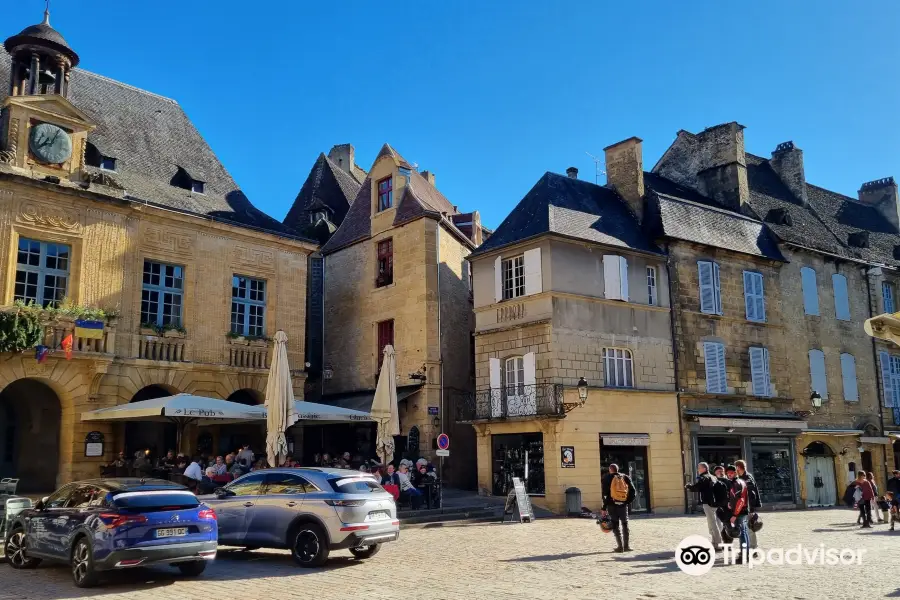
x=194, y=470
x=208, y=484
x=408, y=489
x=219, y=466
x=167, y=462
x=390, y=476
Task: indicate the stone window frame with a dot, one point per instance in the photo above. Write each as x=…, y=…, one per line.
x=764, y=371
x=609, y=354
x=714, y=284
x=245, y=306
x=384, y=250
x=840, y=289
x=808, y=309
x=384, y=197
x=162, y=289
x=512, y=271
x=722, y=370
x=812, y=383
x=516, y=388
x=41, y=271
x=845, y=364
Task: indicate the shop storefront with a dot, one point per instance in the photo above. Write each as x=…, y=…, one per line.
x=518, y=455
x=629, y=452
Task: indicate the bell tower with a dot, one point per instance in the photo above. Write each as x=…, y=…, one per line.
x=41, y=60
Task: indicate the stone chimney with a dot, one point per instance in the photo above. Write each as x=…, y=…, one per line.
x=429, y=176
x=343, y=156
x=572, y=172
x=625, y=172
x=787, y=161
x=722, y=165
x=882, y=194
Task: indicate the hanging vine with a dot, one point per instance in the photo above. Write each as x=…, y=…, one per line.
x=20, y=329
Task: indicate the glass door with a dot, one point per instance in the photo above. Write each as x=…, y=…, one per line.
x=773, y=470
x=632, y=461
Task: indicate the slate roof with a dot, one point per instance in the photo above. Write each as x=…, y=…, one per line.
x=419, y=199
x=573, y=208
x=327, y=185
x=42, y=32
x=151, y=137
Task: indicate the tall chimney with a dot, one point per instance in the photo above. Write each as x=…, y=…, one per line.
x=882, y=194
x=787, y=161
x=429, y=176
x=625, y=172
x=722, y=167
x=343, y=155
x=572, y=172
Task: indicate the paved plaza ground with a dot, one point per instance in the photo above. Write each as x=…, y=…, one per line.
x=549, y=559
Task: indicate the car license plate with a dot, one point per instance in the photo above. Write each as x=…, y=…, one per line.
x=378, y=515
x=171, y=532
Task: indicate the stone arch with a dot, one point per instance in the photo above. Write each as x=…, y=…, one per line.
x=31, y=415
x=248, y=396
x=819, y=448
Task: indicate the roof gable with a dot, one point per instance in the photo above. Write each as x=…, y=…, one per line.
x=327, y=185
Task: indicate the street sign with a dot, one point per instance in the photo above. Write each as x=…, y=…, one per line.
x=443, y=442
x=443, y=453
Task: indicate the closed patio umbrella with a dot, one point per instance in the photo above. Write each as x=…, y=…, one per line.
x=384, y=407
x=280, y=409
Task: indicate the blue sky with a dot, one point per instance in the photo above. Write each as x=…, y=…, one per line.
x=490, y=95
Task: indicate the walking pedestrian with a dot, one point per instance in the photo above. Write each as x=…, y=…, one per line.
x=618, y=493
x=865, y=504
x=893, y=484
x=739, y=507
x=870, y=477
x=752, y=492
x=704, y=485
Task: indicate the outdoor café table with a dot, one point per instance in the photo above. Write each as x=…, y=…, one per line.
x=430, y=489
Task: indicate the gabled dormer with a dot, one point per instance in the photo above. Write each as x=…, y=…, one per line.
x=389, y=177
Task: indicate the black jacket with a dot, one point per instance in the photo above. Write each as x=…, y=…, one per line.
x=755, y=500
x=704, y=485
x=720, y=491
x=607, y=499
x=893, y=485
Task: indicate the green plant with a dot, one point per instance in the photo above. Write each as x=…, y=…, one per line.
x=257, y=338
x=20, y=329
x=233, y=335
x=65, y=309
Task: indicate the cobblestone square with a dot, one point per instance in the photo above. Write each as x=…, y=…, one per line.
x=549, y=559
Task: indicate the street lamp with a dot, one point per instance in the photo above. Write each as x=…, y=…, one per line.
x=816, y=400
x=582, y=390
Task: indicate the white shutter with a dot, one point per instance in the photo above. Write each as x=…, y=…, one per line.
x=810, y=293
x=841, y=300
x=848, y=375
x=759, y=371
x=754, y=301
x=714, y=355
x=818, y=380
x=623, y=277
x=496, y=397
x=707, y=290
x=533, y=283
x=528, y=361
x=612, y=277
x=529, y=402
x=716, y=289
x=887, y=384
x=498, y=280
x=465, y=273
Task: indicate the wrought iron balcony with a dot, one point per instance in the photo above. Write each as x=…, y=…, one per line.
x=539, y=400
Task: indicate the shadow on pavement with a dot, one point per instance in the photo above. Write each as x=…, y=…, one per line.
x=894, y=594
x=669, y=567
x=550, y=557
x=652, y=557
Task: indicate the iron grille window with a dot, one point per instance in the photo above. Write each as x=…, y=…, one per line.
x=385, y=263
x=248, y=306
x=42, y=272
x=513, y=277
x=617, y=367
x=385, y=193
x=162, y=294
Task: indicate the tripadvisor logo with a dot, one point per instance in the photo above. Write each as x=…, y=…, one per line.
x=695, y=555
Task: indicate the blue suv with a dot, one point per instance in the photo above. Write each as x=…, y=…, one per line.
x=106, y=524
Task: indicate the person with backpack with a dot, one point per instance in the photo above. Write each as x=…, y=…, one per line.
x=704, y=486
x=739, y=507
x=752, y=492
x=865, y=502
x=618, y=494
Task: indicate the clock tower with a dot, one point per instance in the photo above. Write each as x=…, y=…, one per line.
x=40, y=130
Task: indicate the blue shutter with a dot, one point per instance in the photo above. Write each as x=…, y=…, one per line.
x=810, y=293
x=754, y=301
x=848, y=375
x=707, y=290
x=716, y=289
x=887, y=293
x=818, y=380
x=714, y=356
x=841, y=300
x=759, y=371
x=887, y=383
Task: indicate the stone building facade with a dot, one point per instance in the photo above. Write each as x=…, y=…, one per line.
x=149, y=228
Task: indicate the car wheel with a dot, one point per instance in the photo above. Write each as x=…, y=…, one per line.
x=15, y=551
x=83, y=573
x=363, y=552
x=192, y=569
x=309, y=546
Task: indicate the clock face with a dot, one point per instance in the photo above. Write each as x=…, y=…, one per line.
x=50, y=144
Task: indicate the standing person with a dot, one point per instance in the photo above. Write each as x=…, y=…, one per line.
x=870, y=477
x=246, y=454
x=752, y=492
x=704, y=485
x=893, y=484
x=865, y=504
x=618, y=494
x=893, y=508
x=739, y=507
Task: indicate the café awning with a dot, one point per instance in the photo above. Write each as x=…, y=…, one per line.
x=180, y=408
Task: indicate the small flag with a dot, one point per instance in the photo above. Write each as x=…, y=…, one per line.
x=92, y=330
x=67, y=346
x=40, y=352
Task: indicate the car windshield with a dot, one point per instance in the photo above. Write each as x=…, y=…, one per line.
x=355, y=485
x=159, y=500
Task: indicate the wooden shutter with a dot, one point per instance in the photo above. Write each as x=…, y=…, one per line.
x=498, y=279
x=810, y=293
x=714, y=355
x=848, y=375
x=709, y=287
x=716, y=289
x=533, y=283
x=759, y=371
x=496, y=395
x=754, y=301
x=612, y=277
x=887, y=383
x=841, y=299
x=385, y=338
x=623, y=278
x=818, y=380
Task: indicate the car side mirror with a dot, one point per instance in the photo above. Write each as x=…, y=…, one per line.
x=42, y=503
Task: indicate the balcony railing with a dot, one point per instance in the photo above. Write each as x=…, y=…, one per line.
x=155, y=347
x=56, y=331
x=252, y=354
x=539, y=400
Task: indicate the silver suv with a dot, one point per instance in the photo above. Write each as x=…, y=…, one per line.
x=309, y=511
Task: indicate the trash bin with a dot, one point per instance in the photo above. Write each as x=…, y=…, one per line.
x=573, y=502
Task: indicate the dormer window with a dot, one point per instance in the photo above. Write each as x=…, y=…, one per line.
x=315, y=217
x=385, y=193
x=197, y=187
x=107, y=163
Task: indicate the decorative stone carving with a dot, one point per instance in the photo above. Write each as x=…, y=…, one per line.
x=37, y=214
x=255, y=258
x=168, y=241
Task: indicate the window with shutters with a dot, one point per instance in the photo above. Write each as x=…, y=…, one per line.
x=759, y=372
x=848, y=376
x=513, y=277
x=385, y=338
x=841, y=299
x=42, y=272
x=754, y=299
x=810, y=291
x=710, y=296
x=615, y=277
x=652, y=297
x=818, y=379
x=890, y=378
x=385, y=251
x=714, y=356
x=617, y=368
x=515, y=376
x=887, y=294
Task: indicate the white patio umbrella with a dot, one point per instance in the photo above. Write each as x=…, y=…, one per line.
x=281, y=411
x=384, y=406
